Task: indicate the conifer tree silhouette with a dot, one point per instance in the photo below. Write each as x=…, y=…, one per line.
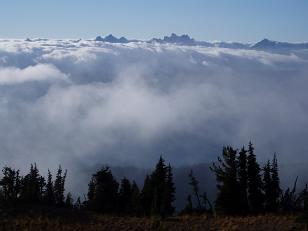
x=103, y=192
x=268, y=187
x=158, y=184
x=169, y=193
x=49, y=192
x=228, y=198
x=147, y=196
x=10, y=184
x=59, y=187
x=276, y=191
x=243, y=180
x=31, y=186
x=255, y=194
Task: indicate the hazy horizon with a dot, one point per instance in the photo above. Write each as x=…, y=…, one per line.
x=245, y=21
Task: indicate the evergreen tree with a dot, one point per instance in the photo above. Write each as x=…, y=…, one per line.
x=158, y=182
x=42, y=186
x=272, y=189
x=147, y=196
x=228, y=197
x=255, y=194
x=103, y=192
x=268, y=187
x=49, y=192
x=157, y=195
x=91, y=194
x=169, y=193
x=243, y=180
x=276, y=190
x=31, y=186
x=59, y=188
x=10, y=185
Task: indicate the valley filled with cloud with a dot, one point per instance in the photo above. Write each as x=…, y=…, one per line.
x=83, y=103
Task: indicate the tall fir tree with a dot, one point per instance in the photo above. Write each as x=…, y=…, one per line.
x=31, y=186
x=268, y=187
x=272, y=191
x=275, y=183
x=146, y=196
x=228, y=197
x=157, y=195
x=243, y=180
x=49, y=192
x=103, y=192
x=255, y=194
x=42, y=187
x=59, y=187
x=158, y=181
x=169, y=193
x=90, y=202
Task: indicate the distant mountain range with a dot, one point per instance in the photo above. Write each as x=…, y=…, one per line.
x=111, y=39
x=186, y=40
x=269, y=44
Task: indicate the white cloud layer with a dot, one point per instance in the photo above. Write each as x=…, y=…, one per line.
x=39, y=72
x=82, y=103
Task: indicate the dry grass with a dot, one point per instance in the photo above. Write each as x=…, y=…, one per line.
x=193, y=223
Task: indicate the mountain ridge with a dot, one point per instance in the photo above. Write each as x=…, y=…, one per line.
x=186, y=40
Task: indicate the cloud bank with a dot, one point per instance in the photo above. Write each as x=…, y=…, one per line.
x=40, y=72
x=83, y=103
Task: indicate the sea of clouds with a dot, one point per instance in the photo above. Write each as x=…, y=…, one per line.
x=82, y=103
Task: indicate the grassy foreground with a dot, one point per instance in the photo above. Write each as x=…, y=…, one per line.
x=194, y=223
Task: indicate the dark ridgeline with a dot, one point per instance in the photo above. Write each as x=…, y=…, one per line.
x=243, y=188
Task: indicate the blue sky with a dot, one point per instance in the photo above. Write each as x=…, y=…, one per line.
x=236, y=20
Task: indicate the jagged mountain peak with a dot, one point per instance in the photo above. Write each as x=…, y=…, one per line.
x=111, y=39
